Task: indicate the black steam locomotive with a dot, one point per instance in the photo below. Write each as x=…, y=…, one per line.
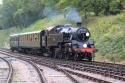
x=61, y=41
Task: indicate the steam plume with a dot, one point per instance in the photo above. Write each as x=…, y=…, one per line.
x=72, y=14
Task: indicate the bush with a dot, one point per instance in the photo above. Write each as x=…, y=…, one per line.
x=109, y=36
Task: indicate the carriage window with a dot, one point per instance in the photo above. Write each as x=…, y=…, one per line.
x=21, y=38
x=26, y=37
x=16, y=38
x=31, y=37
x=36, y=37
x=39, y=37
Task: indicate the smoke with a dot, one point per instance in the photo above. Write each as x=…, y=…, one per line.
x=50, y=12
x=69, y=13
x=72, y=14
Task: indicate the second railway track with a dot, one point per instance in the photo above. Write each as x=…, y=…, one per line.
x=10, y=68
x=114, y=71
x=11, y=71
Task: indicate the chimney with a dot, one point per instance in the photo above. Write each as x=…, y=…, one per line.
x=79, y=24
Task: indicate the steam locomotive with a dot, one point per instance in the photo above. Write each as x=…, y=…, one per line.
x=61, y=41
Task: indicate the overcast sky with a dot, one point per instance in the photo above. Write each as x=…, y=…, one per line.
x=0, y=1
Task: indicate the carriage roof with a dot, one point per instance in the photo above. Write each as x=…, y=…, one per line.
x=26, y=33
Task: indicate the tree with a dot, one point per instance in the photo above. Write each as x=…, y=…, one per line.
x=106, y=6
x=97, y=6
x=25, y=12
x=21, y=12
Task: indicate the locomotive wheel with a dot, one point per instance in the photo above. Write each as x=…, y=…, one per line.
x=76, y=57
x=58, y=54
x=52, y=52
x=12, y=50
x=89, y=57
x=67, y=56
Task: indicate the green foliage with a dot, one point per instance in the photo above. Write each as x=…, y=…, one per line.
x=109, y=35
x=25, y=12
x=21, y=12
x=47, y=22
x=4, y=36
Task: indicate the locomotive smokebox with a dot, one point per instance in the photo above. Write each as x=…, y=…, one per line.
x=79, y=24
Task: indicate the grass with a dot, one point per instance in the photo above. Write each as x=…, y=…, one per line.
x=4, y=36
x=107, y=31
x=109, y=35
x=47, y=22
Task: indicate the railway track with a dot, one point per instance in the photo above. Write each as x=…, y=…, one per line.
x=74, y=67
x=58, y=69
x=51, y=65
x=10, y=74
x=97, y=69
x=39, y=70
x=115, y=71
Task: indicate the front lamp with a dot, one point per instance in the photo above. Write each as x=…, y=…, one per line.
x=87, y=34
x=85, y=45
